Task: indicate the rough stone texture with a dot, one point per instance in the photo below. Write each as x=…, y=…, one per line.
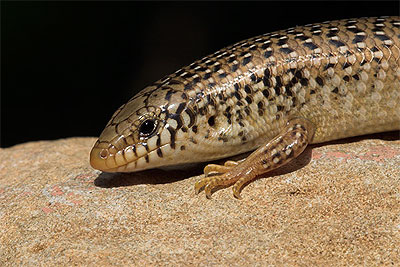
x=337, y=204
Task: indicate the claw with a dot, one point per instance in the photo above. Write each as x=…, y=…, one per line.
x=200, y=184
x=208, y=183
x=197, y=188
x=236, y=192
x=207, y=190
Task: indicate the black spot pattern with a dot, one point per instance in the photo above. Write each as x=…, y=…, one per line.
x=238, y=85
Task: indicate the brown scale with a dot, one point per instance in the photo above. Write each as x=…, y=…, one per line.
x=334, y=79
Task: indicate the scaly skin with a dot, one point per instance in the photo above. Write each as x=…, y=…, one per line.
x=275, y=93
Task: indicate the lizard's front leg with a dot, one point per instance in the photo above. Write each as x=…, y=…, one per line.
x=290, y=143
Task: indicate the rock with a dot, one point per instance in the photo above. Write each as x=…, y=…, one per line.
x=337, y=204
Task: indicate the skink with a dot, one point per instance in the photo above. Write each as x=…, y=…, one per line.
x=275, y=94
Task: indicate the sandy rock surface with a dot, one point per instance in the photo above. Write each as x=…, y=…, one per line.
x=337, y=204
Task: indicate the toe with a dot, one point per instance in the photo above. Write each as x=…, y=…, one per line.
x=214, y=168
x=231, y=163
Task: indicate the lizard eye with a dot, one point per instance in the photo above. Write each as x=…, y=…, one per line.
x=147, y=128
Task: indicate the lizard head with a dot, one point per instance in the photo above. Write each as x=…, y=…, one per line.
x=155, y=128
x=180, y=119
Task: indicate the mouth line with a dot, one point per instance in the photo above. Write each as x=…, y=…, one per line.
x=136, y=160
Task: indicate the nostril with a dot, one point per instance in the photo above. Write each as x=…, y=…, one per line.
x=103, y=153
x=100, y=156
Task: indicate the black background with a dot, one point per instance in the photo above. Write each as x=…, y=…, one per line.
x=67, y=66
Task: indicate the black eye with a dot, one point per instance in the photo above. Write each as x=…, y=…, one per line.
x=147, y=127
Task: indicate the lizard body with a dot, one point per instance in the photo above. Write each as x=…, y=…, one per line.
x=275, y=93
